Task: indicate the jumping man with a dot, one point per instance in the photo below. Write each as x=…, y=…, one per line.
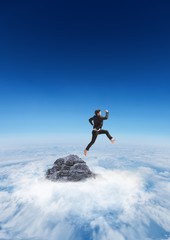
x=97, y=122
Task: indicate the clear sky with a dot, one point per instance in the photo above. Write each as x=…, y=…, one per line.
x=60, y=60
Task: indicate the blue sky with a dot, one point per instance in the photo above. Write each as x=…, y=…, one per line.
x=62, y=60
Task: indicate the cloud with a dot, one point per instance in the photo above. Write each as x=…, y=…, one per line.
x=129, y=199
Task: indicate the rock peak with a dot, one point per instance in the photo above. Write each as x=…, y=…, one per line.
x=69, y=168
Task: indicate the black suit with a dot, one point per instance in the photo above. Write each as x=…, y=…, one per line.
x=97, y=122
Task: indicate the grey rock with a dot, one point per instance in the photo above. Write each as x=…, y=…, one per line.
x=69, y=168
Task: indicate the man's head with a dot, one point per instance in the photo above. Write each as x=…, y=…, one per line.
x=97, y=112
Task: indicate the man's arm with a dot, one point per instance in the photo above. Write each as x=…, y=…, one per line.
x=106, y=116
x=91, y=121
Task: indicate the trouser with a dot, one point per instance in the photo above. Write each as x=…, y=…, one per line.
x=94, y=136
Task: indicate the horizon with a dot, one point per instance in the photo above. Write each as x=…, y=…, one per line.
x=65, y=140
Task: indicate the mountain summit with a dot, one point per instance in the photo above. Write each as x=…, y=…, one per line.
x=69, y=168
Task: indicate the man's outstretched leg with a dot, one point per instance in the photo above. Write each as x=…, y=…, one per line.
x=94, y=136
x=107, y=134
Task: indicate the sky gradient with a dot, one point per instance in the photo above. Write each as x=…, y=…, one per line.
x=60, y=60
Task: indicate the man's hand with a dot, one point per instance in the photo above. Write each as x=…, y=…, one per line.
x=106, y=110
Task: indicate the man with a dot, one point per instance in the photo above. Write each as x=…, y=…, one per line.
x=97, y=122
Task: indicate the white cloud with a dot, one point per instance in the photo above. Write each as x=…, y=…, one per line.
x=128, y=200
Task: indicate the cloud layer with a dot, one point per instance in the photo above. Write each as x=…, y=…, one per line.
x=128, y=200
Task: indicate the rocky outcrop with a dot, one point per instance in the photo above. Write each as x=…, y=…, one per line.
x=70, y=168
